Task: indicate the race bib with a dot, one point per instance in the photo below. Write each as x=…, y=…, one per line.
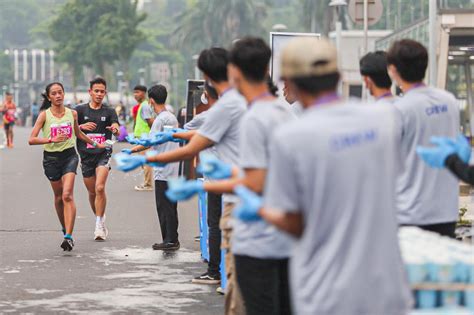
x=62, y=129
x=97, y=137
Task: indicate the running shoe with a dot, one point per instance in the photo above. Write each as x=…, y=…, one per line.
x=67, y=244
x=207, y=278
x=197, y=238
x=100, y=233
x=143, y=188
x=220, y=291
x=166, y=246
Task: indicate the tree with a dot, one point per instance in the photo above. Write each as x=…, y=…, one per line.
x=96, y=33
x=218, y=23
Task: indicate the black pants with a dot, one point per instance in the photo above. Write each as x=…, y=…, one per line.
x=445, y=229
x=264, y=285
x=214, y=211
x=167, y=213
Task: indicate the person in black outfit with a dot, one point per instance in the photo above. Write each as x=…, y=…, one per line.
x=99, y=122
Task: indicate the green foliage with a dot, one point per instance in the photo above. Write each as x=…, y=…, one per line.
x=96, y=33
x=6, y=71
x=218, y=23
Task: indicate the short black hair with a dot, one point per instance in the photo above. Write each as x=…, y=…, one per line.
x=97, y=80
x=211, y=91
x=410, y=58
x=252, y=56
x=374, y=65
x=140, y=88
x=316, y=84
x=213, y=63
x=8, y=93
x=158, y=93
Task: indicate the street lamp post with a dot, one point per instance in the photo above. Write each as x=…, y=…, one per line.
x=338, y=4
x=119, y=84
x=196, y=69
x=141, y=73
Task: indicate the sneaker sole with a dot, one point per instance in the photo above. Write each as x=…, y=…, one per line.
x=99, y=239
x=211, y=282
x=65, y=246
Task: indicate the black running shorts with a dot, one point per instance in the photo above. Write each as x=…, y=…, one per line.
x=57, y=164
x=89, y=162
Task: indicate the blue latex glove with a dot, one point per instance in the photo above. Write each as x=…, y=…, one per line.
x=126, y=162
x=250, y=204
x=214, y=168
x=131, y=139
x=154, y=164
x=127, y=151
x=146, y=140
x=436, y=156
x=180, y=189
x=463, y=148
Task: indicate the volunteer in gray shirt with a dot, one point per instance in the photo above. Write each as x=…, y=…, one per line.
x=336, y=195
x=261, y=251
x=167, y=210
x=373, y=69
x=426, y=197
x=221, y=129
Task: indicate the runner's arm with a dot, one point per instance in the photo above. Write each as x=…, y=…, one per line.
x=82, y=136
x=196, y=145
x=34, y=139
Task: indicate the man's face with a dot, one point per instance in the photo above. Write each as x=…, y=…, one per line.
x=153, y=105
x=289, y=95
x=8, y=98
x=139, y=95
x=97, y=93
x=235, y=77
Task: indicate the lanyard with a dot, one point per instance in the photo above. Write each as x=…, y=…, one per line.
x=326, y=99
x=259, y=97
x=225, y=91
x=388, y=94
x=416, y=86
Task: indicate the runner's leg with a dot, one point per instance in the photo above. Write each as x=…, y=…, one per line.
x=101, y=174
x=58, y=200
x=68, y=200
x=90, y=186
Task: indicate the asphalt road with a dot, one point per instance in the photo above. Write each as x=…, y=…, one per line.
x=120, y=276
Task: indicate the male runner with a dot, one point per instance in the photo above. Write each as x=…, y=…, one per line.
x=98, y=121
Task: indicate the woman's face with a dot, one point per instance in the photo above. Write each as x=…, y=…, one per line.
x=56, y=95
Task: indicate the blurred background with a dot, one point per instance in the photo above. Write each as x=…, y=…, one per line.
x=157, y=41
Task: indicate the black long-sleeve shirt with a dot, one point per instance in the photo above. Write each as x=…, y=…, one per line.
x=462, y=170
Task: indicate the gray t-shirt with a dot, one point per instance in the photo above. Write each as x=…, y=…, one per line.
x=222, y=126
x=146, y=111
x=297, y=109
x=337, y=166
x=165, y=118
x=260, y=239
x=426, y=195
x=197, y=121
